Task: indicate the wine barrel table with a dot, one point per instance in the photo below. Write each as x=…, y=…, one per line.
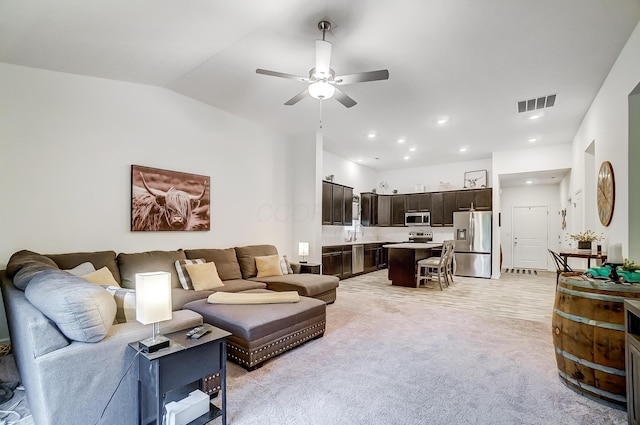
x=588, y=335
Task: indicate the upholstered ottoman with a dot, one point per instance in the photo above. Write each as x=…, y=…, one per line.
x=262, y=331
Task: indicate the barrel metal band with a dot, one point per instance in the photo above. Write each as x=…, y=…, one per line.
x=594, y=390
x=580, y=319
x=592, y=296
x=607, y=369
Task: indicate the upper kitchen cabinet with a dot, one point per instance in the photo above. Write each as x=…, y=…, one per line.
x=337, y=204
x=480, y=200
x=368, y=209
x=443, y=205
x=384, y=211
x=418, y=202
x=397, y=210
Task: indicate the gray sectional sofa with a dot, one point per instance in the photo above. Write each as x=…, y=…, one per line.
x=70, y=341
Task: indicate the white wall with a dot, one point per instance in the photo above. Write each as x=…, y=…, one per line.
x=68, y=143
x=530, y=196
x=607, y=123
x=451, y=174
x=348, y=173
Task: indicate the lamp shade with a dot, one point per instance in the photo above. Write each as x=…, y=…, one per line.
x=153, y=297
x=303, y=248
x=321, y=90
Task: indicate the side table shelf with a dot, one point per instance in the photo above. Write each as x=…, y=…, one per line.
x=172, y=373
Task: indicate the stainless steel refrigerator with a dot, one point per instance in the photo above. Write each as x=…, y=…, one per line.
x=472, y=235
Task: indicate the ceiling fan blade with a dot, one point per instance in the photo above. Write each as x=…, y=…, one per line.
x=323, y=59
x=343, y=98
x=282, y=75
x=362, y=77
x=297, y=98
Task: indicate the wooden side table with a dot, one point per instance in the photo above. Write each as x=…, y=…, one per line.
x=314, y=268
x=172, y=373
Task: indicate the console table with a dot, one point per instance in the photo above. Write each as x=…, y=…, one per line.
x=171, y=373
x=582, y=253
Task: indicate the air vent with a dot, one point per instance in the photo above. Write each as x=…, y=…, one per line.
x=537, y=103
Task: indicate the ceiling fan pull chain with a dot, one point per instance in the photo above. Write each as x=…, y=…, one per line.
x=320, y=114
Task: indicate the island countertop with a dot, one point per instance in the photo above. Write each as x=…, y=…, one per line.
x=413, y=245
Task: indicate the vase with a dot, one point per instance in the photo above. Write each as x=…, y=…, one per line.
x=584, y=244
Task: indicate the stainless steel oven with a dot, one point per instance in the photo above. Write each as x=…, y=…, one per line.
x=417, y=218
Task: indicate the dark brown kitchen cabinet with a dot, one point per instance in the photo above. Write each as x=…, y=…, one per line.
x=337, y=204
x=443, y=205
x=484, y=200
x=384, y=211
x=332, y=260
x=397, y=210
x=368, y=209
x=347, y=257
x=370, y=257
x=327, y=205
x=449, y=207
x=480, y=199
x=418, y=202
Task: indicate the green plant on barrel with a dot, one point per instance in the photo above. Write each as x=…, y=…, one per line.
x=630, y=266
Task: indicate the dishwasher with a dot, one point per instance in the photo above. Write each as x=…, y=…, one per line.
x=357, y=259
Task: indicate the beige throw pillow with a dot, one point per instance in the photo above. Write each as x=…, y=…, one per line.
x=101, y=277
x=268, y=265
x=204, y=276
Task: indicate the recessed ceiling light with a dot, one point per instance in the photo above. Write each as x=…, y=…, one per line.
x=371, y=135
x=401, y=140
x=535, y=116
x=463, y=149
x=406, y=157
x=443, y=120
x=533, y=140
x=529, y=181
x=412, y=149
x=360, y=160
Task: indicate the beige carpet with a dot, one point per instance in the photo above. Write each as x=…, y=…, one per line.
x=393, y=356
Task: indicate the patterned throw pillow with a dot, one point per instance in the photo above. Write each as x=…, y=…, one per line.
x=289, y=268
x=125, y=303
x=183, y=275
x=283, y=265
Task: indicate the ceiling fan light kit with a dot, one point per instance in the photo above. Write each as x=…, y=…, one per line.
x=322, y=79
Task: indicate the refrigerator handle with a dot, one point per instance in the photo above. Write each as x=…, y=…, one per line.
x=472, y=231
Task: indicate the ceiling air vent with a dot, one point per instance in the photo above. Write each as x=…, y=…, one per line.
x=537, y=103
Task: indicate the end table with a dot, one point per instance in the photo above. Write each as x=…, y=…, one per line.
x=172, y=373
x=310, y=268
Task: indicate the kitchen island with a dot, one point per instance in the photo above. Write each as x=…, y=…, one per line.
x=403, y=258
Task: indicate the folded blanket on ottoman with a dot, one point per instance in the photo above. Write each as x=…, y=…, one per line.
x=254, y=298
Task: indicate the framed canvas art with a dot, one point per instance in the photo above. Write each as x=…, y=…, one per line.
x=475, y=179
x=163, y=200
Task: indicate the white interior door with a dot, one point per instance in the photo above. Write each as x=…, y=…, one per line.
x=530, y=237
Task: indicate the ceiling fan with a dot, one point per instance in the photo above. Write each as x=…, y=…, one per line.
x=322, y=79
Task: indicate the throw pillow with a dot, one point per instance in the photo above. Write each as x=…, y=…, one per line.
x=185, y=280
x=101, y=277
x=82, y=311
x=289, y=268
x=204, y=276
x=283, y=266
x=82, y=269
x=268, y=265
x=125, y=303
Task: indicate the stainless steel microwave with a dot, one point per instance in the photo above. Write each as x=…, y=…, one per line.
x=417, y=218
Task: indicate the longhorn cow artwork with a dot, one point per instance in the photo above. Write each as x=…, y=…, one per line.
x=163, y=200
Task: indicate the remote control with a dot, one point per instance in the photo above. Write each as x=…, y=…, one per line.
x=199, y=333
x=193, y=331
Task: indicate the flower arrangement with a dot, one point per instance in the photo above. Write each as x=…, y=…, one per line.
x=587, y=236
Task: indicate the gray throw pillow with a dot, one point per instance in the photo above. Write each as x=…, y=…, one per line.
x=81, y=310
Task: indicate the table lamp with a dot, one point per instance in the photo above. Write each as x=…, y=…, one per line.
x=614, y=259
x=303, y=250
x=153, y=305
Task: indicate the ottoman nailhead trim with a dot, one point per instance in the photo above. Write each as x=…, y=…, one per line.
x=275, y=343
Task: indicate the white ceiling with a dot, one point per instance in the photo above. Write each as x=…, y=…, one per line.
x=467, y=59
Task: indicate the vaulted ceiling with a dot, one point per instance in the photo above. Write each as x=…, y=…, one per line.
x=467, y=60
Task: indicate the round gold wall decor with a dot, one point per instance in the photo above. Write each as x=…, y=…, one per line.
x=606, y=193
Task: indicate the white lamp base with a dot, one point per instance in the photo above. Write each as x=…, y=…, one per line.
x=151, y=345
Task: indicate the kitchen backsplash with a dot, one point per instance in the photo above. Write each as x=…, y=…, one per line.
x=336, y=235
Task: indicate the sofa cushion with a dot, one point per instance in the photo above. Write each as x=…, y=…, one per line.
x=247, y=258
x=82, y=269
x=306, y=284
x=24, y=265
x=268, y=265
x=183, y=275
x=150, y=261
x=101, y=277
x=81, y=310
x=99, y=259
x=204, y=276
x=225, y=259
